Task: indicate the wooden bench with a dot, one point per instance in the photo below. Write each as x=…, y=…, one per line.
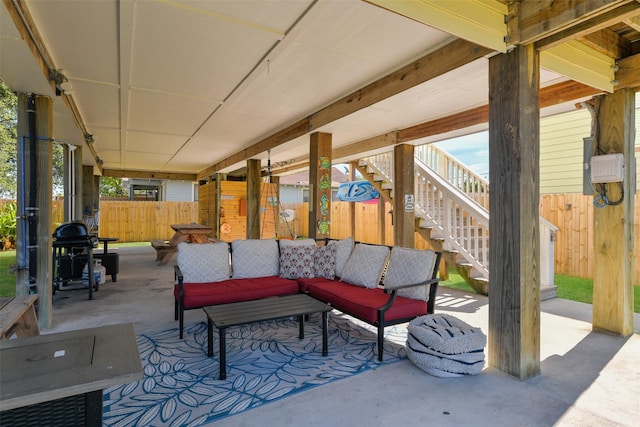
x=18, y=316
x=164, y=250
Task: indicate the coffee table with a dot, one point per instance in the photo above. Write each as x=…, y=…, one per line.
x=224, y=316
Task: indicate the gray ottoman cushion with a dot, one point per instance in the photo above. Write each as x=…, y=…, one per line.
x=445, y=346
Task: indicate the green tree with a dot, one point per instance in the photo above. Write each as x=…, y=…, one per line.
x=111, y=187
x=9, y=152
x=8, y=147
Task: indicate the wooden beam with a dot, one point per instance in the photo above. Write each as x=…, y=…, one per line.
x=550, y=22
x=514, y=146
x=482, y=22
x=633, y=22
x=19, y=13
x=445, y=124
x=628, y=74
x=613, y=228
x=434, y=64
x=591, y=25
x=123, y=173
x=373, y=143
x=549, y=96
x=581, y=63
x=608, y=43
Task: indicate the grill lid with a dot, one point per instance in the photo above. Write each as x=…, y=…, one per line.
x=75, y=233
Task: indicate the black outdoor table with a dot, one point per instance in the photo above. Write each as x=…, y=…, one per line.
x=110, y=260
x=240, y=313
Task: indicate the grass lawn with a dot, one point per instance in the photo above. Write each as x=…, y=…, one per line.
x=8, y=258
x=571, y=288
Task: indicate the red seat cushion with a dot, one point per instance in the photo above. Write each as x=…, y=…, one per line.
x=306, y=282
x=235, y=290
x=363, y=302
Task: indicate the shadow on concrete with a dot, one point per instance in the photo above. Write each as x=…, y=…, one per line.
x=458, y=301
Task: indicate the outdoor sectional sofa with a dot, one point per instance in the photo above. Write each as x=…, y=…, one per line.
x=377, y=284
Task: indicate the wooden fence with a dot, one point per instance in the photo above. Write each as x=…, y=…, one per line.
x=572, y=213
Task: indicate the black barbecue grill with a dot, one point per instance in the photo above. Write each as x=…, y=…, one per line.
x=72, y=250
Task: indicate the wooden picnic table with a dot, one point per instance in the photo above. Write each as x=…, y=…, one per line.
x=194, y=233
x=18, y=315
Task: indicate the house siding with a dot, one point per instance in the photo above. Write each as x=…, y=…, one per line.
x=561, y=146
x=178, y=191
x=561, y=150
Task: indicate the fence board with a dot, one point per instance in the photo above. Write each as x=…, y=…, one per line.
x=136, y=221
x=572, y=213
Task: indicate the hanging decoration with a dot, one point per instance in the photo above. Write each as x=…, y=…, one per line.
x=357, y=191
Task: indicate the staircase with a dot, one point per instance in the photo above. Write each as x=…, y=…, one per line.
x=451, y=209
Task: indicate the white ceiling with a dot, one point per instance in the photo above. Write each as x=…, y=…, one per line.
x=178, y=86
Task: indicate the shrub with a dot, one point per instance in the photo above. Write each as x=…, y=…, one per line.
x=8, y=226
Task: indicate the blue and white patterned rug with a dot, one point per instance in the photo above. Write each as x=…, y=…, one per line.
x=265, y=362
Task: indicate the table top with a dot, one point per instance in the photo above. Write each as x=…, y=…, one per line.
x=239, y=313
x=192, y=226
x=49, y=367
x=107, y=239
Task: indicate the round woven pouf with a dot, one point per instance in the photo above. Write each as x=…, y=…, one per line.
x=445, y=346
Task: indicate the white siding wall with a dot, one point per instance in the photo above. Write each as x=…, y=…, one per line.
x=178, y=191
x=561, y=146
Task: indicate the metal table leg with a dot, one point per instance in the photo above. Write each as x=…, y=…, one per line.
x=223, y=353
x=209, y=337
x=325, y=337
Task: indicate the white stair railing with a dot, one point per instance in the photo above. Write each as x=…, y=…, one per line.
x=454, y=217
x=445, y=192
x=458, y=174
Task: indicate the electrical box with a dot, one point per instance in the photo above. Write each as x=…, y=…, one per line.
x=607, y=168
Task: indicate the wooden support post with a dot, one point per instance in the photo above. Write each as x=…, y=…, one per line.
x=352, y=205
x=44, y=195
x=273, y=190
x=403, y=196
x=613, y=234
x=217, y=206
x=253, y=198
x=87, y=190
x=320, y=185
x=514, y=293
x=382, y=220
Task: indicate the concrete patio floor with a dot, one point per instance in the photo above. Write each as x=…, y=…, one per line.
x=587, y=379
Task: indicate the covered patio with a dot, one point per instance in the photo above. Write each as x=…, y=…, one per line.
x=204, y=91
x=587, y=378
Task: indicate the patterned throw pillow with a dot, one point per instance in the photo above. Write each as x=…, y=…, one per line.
x=325, y=262
x=254, y=258
x=297, y=261
x=204, y=262
x=408, y=266
x=296, y=242
x=344, y=248
x=365, y=265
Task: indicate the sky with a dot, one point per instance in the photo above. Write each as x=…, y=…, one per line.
x=472, y=150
